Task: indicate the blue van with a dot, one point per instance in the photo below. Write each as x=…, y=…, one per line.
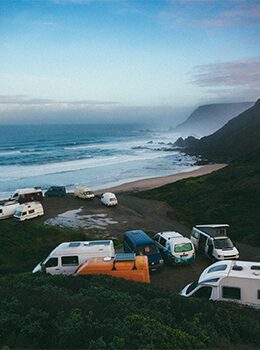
x=140, y=243
x=56, y=191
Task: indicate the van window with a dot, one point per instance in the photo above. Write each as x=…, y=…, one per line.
x=69, y=260
x=163, y=241
x=258, y=294
x=1, y=211
x=192, y=286
x=195, y=234
x=146, y=249
x=31, y=211
x=156, y=238
x=223, y=243
x=218, y=268
x=24, y=213
x=52, y=262
x=231, y=293
x=203, y=292
x=181, y=248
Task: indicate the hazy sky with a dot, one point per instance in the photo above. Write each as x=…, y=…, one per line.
x=92, y=58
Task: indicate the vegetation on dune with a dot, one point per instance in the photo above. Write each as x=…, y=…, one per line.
x=99, y=312
x=230, y=195
x=24, y=244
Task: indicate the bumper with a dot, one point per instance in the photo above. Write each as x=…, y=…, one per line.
x=153, y=266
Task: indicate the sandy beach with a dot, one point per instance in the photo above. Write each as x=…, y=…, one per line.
x=146, y=184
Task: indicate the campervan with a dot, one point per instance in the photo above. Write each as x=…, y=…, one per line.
x=140, y=243
x=55, y=191
x=175, y=248
x=68, y=256
x=83, y=193
x=228, y=280
x=109, y=199
x=7, y=209
x=27, y=195
x=28, y=211
x=214, y=242
x=127, y=266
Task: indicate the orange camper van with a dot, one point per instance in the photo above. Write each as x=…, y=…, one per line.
x=127, y=266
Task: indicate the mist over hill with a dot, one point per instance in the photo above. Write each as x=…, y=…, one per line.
x=238, y=138
x=206, y=119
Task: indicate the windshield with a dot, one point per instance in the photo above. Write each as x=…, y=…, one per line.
x=184, y=247
x=223, y=243
x=18, y=213
x=191, y=287
x=147, y=249
x=87, y=193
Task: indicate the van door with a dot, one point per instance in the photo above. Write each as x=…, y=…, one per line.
x=52, y=266
x=209, y=247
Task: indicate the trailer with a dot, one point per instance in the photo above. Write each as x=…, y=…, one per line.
x=230, y=280
x=127, y=266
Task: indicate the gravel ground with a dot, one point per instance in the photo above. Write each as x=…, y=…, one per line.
x=132, y=213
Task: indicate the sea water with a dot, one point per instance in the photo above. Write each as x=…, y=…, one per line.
x=98, y=156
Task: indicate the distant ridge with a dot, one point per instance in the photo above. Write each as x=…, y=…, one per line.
x=206, y=119
x=238, y=138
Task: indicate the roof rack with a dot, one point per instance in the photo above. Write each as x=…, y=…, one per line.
x=124, y=257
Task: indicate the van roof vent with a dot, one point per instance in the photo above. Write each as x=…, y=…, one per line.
x=237, y=268
x=74, y=244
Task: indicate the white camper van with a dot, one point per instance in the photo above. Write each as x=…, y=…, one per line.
x=229, y=280
x=7, y=209
x=83, y=192
x=68, y=256
x=214, y=242
x=28, y=211
x=175, y=248
x=24, y=195
x=109, y=199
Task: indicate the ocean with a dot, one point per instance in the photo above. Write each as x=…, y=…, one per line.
x=98, y=156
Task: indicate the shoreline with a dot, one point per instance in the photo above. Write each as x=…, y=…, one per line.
x=154, y=182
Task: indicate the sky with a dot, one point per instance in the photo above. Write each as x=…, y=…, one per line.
x=90, y=60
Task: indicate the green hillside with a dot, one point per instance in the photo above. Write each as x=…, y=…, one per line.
x=238, y=138
x=98, y=312
x=230, y=195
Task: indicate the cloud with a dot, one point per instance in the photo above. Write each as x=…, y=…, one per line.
x=237, y=77
x=21, y=109
x=211, y=13
x=71, y=2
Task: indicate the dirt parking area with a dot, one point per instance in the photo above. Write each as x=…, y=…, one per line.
x=132, y=213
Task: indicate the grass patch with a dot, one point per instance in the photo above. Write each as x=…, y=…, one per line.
x=101, y=312
x=230, y=195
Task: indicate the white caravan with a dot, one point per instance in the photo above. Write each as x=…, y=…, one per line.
x=175, y=248
x=28, y=211
x=8, y=209
x=24, y=195
x=109, y=199
x=68, y=256
x=228, y=280
x=83, y=192
x=214, y=242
